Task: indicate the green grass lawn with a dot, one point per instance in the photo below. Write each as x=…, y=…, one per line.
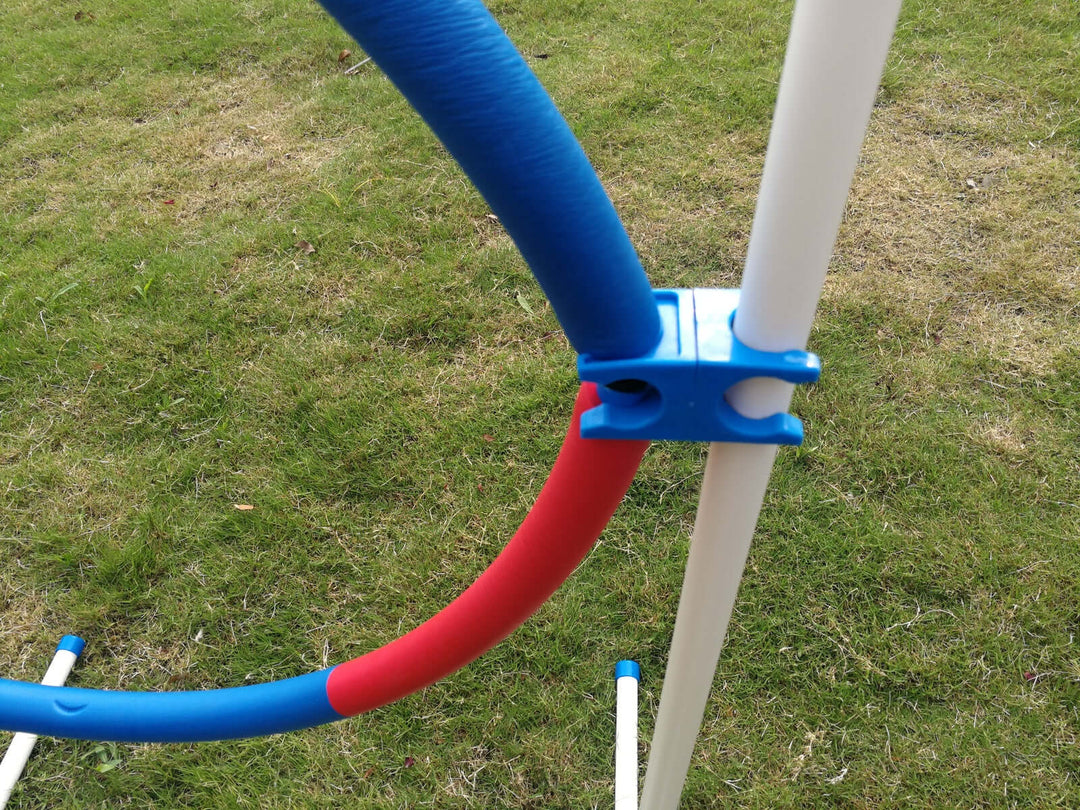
x=390, y=402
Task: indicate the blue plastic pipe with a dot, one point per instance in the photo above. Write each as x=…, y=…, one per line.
x=454, y=64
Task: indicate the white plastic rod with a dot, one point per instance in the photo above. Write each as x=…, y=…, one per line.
x=18, y=753
x=836, y=52
x=731, y=494
x=835, y=55
x=627, y=675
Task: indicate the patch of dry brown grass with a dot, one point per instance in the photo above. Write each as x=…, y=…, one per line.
x=977, y=236
x=218, y=143
x=22, y=617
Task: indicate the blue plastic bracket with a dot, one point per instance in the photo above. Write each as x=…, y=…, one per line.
x=677, y=391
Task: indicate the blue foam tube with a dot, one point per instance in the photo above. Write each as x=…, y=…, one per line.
x=458, y=69
x=220, y=714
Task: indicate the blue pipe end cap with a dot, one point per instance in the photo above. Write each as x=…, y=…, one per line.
x=628, y=669
x=677, y=391
x=72, y=644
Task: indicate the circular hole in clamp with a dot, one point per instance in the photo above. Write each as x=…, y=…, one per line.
x=625, y=393
x=629, y=386
x=638, y=401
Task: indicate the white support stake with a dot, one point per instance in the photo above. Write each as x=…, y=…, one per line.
x=835, y=55
x=627, y=675
x=18, y=753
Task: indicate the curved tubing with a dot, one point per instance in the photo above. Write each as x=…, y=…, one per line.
x=216, y=714
x=463, y=75
x=454, y=64
x=585, y=487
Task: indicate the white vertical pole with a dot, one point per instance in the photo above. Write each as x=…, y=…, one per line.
x=836, y=52
x=18, y=753
x=627, y=675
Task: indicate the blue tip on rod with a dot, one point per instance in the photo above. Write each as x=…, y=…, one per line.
x=72, y=644
x=625, y=669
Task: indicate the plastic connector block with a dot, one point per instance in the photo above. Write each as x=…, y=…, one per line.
x=677, y=391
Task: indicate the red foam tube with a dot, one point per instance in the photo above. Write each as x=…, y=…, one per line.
x=586, y=485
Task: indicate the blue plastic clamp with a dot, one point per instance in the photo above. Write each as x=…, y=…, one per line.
x=677, y=391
